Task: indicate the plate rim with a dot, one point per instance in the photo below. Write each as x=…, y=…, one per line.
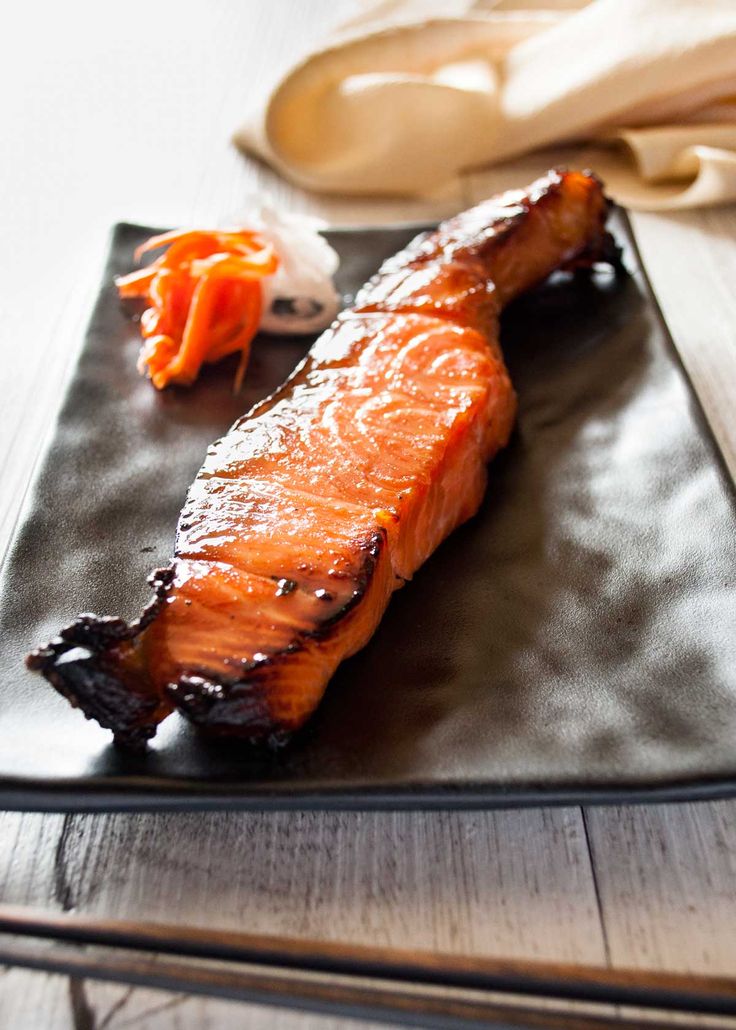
x=132, y=795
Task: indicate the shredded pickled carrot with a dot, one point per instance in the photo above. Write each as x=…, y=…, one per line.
x=205, y=301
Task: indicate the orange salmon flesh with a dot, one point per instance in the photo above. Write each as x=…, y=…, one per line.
x=328, y=495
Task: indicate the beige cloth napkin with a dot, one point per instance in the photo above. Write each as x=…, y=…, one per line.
x=409, y=93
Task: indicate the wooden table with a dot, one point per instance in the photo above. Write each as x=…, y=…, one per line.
x=124, y=112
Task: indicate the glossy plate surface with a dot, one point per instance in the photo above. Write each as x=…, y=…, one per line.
x=574, y=642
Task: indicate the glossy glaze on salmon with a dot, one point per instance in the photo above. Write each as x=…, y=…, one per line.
x=329, y=494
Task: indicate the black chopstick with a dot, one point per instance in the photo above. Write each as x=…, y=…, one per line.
x=651, y=989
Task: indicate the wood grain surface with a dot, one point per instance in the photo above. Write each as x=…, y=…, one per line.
x=125, y=113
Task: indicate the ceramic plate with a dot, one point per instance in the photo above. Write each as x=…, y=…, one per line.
x=573, y=642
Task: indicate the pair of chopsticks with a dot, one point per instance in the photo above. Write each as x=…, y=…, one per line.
x=406, y=987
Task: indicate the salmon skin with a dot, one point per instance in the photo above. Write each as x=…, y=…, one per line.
x=329, y=494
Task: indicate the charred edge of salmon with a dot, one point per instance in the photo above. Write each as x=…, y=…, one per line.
x=507, y=221
x=224, y=706
x=83, y=663
x=603, y=250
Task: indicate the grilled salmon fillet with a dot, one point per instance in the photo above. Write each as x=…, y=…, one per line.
x=330, y=493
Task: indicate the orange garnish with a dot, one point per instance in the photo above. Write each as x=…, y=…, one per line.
x=205, y=300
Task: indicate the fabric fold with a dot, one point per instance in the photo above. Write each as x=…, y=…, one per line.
x=411, y=93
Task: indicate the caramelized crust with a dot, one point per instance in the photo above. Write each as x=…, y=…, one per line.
x=329, y=494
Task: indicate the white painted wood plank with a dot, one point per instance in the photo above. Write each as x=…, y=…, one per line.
x=505, y=883
x=667, y=883
x=500, y=883
x=28, y=856
x=691, y=261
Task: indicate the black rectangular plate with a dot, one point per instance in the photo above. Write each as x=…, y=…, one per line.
x=572, y=643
